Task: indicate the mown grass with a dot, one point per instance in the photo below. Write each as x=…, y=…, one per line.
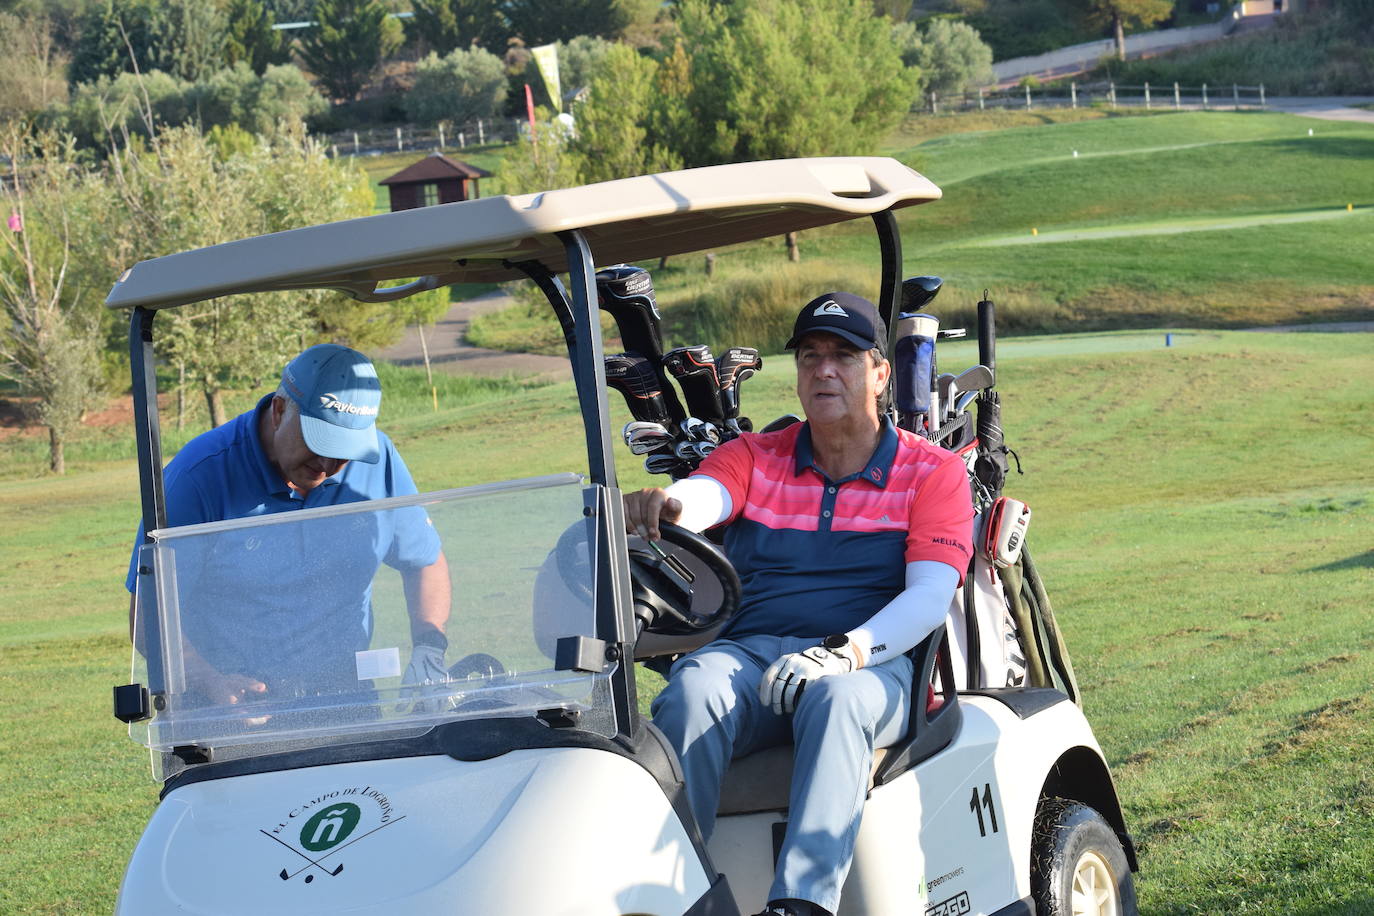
x=1200, y=517
x=1148, y=177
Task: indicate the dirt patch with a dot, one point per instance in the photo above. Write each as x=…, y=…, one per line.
x=15, y=419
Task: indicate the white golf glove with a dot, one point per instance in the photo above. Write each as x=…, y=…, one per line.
x=785, y=679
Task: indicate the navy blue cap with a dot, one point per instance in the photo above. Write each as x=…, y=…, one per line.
x=845, y=315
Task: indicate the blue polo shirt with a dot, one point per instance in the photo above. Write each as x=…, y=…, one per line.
x=818, y=556
x=283, y=602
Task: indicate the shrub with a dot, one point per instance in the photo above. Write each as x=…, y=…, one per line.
x=954, y=57
x=234, y=96
x=459, y=87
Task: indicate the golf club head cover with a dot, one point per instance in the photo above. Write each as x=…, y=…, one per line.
x=694, y=369
x=1004, y=531
x=913, y=359
x=634, y=377
x=627, y=292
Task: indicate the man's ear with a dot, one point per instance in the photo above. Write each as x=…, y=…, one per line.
x=278, y=410
x=884, y=373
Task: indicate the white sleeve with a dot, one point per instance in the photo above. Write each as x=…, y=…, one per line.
x=705, y=501
x=911, y=616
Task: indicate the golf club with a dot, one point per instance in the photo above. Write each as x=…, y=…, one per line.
x=733, y=367
x=974, y=378
x=627, y=293
x=634, y=377
x=992, y=465
x=917, y=292
x=643, y=438
x=944, y=387
x=695, y=371
x=694, y=430
x=671, y=465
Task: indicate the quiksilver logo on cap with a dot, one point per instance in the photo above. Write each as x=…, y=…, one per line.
x=332, y=402
x=830, y=307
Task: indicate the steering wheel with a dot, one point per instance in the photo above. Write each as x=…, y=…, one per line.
x=664, y=582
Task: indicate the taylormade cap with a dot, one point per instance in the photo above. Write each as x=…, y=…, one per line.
x=845, y=315
x=338, y=394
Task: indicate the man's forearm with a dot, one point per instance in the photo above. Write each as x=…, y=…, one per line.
x=429, y=596
x=911, y=616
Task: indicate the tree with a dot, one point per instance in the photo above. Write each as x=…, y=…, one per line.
x=350, y=40
x=1120, y=13
x=32, y=74
x=460, y=87
x=953, y=57
x=446, y=25
x=758, y=88
x=541, y=162
x=181, y=192
x=907, y=38
x=579, y=59
x=249, y=37
x=182, y=37
x=118, y=38
x=195, y=38
x=100, y=113
x=49, y=343
x=539, y=22
x=611, y=139
x=284, y=96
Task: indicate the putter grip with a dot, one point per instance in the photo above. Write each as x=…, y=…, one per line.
x=987, y=334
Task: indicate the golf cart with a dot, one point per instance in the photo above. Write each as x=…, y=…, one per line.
x=528, y=782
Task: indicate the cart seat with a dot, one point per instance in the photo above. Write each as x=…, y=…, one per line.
x=762, y=781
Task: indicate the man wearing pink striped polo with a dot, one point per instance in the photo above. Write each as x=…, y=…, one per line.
x=850, y=537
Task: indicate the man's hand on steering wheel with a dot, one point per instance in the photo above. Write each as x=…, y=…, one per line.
x=646, y=508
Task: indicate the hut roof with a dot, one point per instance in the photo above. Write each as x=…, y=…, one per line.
x=435, y=167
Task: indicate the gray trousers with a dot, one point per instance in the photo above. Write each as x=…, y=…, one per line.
x=711, y=713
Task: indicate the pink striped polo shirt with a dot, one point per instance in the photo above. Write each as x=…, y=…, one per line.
x=818, y=556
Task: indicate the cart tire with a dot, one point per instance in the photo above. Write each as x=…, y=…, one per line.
x=1078, y=867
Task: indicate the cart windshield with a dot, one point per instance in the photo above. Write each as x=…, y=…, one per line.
x=296, y=629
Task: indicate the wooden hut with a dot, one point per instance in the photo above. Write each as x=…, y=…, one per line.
x=435, y=179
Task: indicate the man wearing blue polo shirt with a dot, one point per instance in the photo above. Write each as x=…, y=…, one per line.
x=850, y=537
x=282, y=611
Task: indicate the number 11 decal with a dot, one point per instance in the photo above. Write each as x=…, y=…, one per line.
x=976, y=805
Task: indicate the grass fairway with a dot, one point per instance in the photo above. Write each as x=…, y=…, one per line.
x=1201, y=516
x=1201, y=219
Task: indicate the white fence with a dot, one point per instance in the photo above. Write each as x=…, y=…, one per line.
x=399, y=138
x=1159, y=96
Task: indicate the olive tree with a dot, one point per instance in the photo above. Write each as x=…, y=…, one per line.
x=50, y=335
x=458, y=87
x=953, y=57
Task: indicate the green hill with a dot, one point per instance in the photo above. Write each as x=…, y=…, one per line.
x=1198, y=219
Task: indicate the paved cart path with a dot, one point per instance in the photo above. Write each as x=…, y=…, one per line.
x=450, y=352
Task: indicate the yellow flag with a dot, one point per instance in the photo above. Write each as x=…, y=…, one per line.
x=546, y=56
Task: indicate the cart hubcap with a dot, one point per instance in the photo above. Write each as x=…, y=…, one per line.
x=1094, y=888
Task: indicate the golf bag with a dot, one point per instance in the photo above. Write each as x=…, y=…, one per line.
x=1001, y=624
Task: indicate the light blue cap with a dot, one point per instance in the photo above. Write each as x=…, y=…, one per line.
x=338, y=393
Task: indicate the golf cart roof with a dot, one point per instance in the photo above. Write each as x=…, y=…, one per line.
x=629, y=219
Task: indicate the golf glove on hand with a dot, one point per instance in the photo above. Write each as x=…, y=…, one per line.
x=426, y=666
x=785, y=679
